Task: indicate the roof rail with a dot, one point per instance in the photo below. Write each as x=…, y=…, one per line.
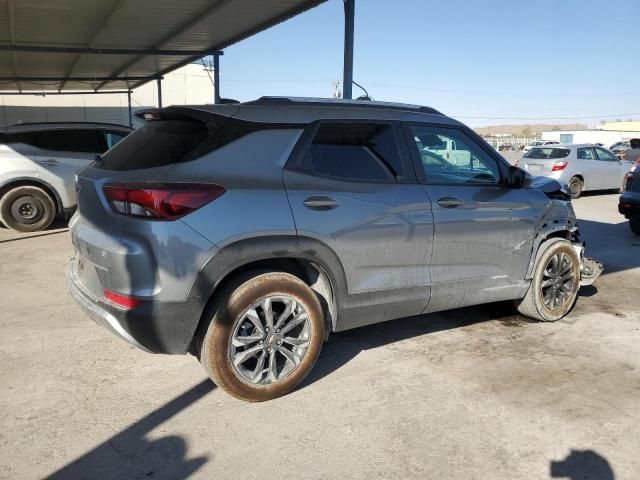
x=334, y=102
x=67, y=123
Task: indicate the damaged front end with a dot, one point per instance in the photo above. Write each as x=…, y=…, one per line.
x=560, y=221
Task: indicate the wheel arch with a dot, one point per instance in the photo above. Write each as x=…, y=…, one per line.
x=318, y=266
x=33, y=182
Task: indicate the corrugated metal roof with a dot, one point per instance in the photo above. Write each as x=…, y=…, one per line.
x=194, y=28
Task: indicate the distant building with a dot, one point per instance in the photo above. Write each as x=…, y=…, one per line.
x=625, y=126
x=188, y=85
x=606, y=136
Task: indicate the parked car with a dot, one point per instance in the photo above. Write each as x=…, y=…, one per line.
x=539, y=143
x=38, y=162
x=581, y=166
x=245, y=234
x=629, y=204
x=619, y=148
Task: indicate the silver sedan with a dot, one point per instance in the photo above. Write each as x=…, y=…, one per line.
x=582, y=167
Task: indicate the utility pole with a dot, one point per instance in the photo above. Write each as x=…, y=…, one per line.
x=349, y=16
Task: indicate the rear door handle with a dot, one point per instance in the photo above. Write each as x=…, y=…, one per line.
x=320, y=202
x=50, y=161
x=449, y=202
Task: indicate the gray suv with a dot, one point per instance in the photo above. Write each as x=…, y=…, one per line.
x=244, y=234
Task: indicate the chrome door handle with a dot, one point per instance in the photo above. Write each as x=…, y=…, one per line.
x=320, y=202
x=449, y=202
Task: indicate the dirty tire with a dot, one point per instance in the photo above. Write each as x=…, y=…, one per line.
x=27, y=209
x=575, y=187
x=634, y=224
x=226, y=314
x=535, y=304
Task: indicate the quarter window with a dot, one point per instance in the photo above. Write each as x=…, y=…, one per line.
x=448, y=155
x=111, y=138
x=356, y=151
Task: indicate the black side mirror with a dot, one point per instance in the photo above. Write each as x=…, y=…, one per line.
x=516, y=177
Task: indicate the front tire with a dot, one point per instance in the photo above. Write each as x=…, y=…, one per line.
x=575, y=187
x=265, y=335
x=556, y=280
x=27, y=209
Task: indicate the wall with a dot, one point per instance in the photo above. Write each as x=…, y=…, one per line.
x=188, y=85
x=593, y=136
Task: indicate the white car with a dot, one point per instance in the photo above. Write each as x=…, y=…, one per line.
x=38, y=162
x=540, y=143
x=581, y=167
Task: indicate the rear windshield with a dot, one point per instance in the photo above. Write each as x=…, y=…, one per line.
x=155, y=144
x=543, y=153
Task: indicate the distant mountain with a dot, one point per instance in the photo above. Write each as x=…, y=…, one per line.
x=527, y=130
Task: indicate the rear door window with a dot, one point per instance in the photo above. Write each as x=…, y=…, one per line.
x=72, y=140
x=356, y=151
x=547, y=153
x=586, y=154
x=25, y=138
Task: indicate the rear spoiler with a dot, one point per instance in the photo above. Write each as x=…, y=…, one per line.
x=225, y=112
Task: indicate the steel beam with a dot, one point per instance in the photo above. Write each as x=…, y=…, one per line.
x=105, y=51
x=135, y=78
x=130, y=111
x=44, y=93
x=349, y=16
x=216, y=78
x=159, y=80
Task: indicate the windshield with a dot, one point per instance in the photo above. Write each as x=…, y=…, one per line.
x=547, y=153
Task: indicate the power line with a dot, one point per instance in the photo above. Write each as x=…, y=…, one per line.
x=560, y=117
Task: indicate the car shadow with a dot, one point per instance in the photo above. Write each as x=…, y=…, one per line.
x=130, y=454
x=582, y=465
x=342, y=347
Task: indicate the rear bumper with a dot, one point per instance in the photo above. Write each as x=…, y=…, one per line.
x=155, y=327
x=629, y=204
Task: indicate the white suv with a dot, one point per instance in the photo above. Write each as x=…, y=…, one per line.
x=38, y=162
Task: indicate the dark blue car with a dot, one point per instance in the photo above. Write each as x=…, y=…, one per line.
x=629, y=204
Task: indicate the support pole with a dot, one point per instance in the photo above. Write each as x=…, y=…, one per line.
x=130, y=112
x=159, y=80
x=216, y=77
x=349, y=15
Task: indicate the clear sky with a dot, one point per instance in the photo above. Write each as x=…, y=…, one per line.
x=516, y=62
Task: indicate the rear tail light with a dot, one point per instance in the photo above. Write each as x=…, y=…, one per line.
x=166, y=201
x=628, y=181
x=559, y=166
x=122, y=301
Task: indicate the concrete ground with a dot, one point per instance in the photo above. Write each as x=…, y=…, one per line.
x=477, y=393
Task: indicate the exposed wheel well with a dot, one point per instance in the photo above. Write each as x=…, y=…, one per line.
x=34, y=183
x=310, y=273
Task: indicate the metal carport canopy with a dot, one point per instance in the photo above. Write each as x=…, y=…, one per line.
x=100, y=45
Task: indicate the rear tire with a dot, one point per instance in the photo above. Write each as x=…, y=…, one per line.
x=27, y=209
x=634, y=224
x=556, y=280
x=575, y=187
x=255, y=355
